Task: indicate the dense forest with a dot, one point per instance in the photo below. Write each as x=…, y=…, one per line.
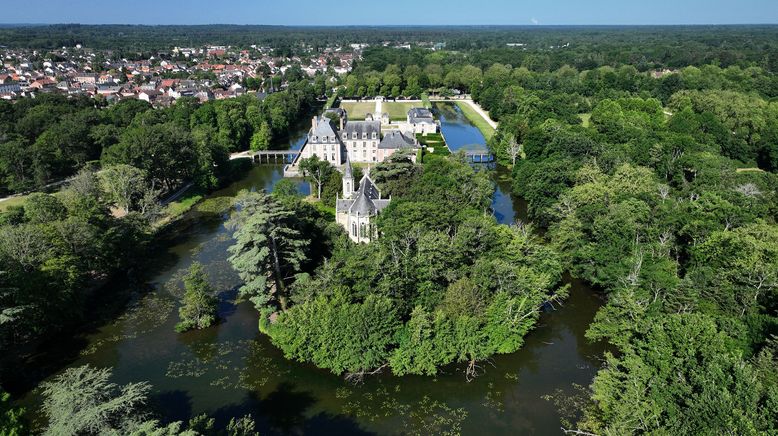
x=657, y=189
x=661, y=191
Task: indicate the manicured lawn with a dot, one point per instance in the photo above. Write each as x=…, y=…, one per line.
x=585, y=119
x=477, y=120
x=398, y=111
x=357, y=111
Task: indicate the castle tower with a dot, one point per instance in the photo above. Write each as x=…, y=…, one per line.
x=348, y=180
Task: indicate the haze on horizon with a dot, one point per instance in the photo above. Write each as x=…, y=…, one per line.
x=398, y=12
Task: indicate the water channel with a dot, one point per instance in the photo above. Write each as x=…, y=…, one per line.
x=231, y=369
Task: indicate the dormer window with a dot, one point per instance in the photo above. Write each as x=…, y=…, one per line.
x=373, y=135
x=315, y=139
x=364, y=135
x=354, y=135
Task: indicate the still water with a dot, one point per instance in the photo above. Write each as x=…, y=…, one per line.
x=231, y=369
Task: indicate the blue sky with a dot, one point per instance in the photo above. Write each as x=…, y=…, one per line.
x=370, y=12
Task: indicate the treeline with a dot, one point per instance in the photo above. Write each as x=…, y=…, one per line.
x=682, y=240
x=730, y=109
x=444, y=283
x=49, y=138
x=583, y=47
x=490, y=72
x=733, y=106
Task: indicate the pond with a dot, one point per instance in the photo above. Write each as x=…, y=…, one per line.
x=231, y=369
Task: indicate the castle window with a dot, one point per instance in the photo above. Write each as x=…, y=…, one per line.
x=373, y=135
x=354, y=229
x=362, y=231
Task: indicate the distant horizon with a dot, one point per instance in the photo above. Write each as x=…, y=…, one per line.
x=9, y=24
x=358, y=13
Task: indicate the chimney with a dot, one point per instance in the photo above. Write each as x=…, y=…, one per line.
x=313, y=123
x=341, y=123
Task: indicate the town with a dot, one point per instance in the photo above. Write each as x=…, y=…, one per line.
x=206, y=73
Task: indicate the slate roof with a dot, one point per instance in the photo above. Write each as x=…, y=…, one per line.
x=367, y=200
x=360, y=127
x=420, y=115
x=363, y=205
x=396, y=140
x=323, y=128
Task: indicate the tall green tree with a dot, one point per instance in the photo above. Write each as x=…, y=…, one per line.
x=316, y=171
x=268, y=249
x=83, y=400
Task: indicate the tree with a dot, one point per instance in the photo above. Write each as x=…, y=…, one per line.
x=261, y=138
x=682, y=377
x=316, y=171
x=43, y=208
x=513, y=149
x=199, y=305
x=11, y=423
x=82, y=400
x=268, y=250
x=128, y=188
x=285, y=188
x=336, y=334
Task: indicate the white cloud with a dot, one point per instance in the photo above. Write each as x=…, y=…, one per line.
x=534, y=20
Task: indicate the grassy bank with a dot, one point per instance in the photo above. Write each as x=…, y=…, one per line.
x=13, y=201
x=476, y=119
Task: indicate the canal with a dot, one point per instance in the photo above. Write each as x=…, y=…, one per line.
x=231, y=369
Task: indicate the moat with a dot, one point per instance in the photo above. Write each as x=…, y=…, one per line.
x=231, y=369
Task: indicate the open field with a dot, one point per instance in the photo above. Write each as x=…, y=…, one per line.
x=397, y=111
x=477, y=120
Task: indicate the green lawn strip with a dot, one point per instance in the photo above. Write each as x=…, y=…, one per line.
x=187, y=201
x=14, y=201
x=477, y=120
x=358, y=110
x=585, y=119
x=331, y=101
x=398, y=110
